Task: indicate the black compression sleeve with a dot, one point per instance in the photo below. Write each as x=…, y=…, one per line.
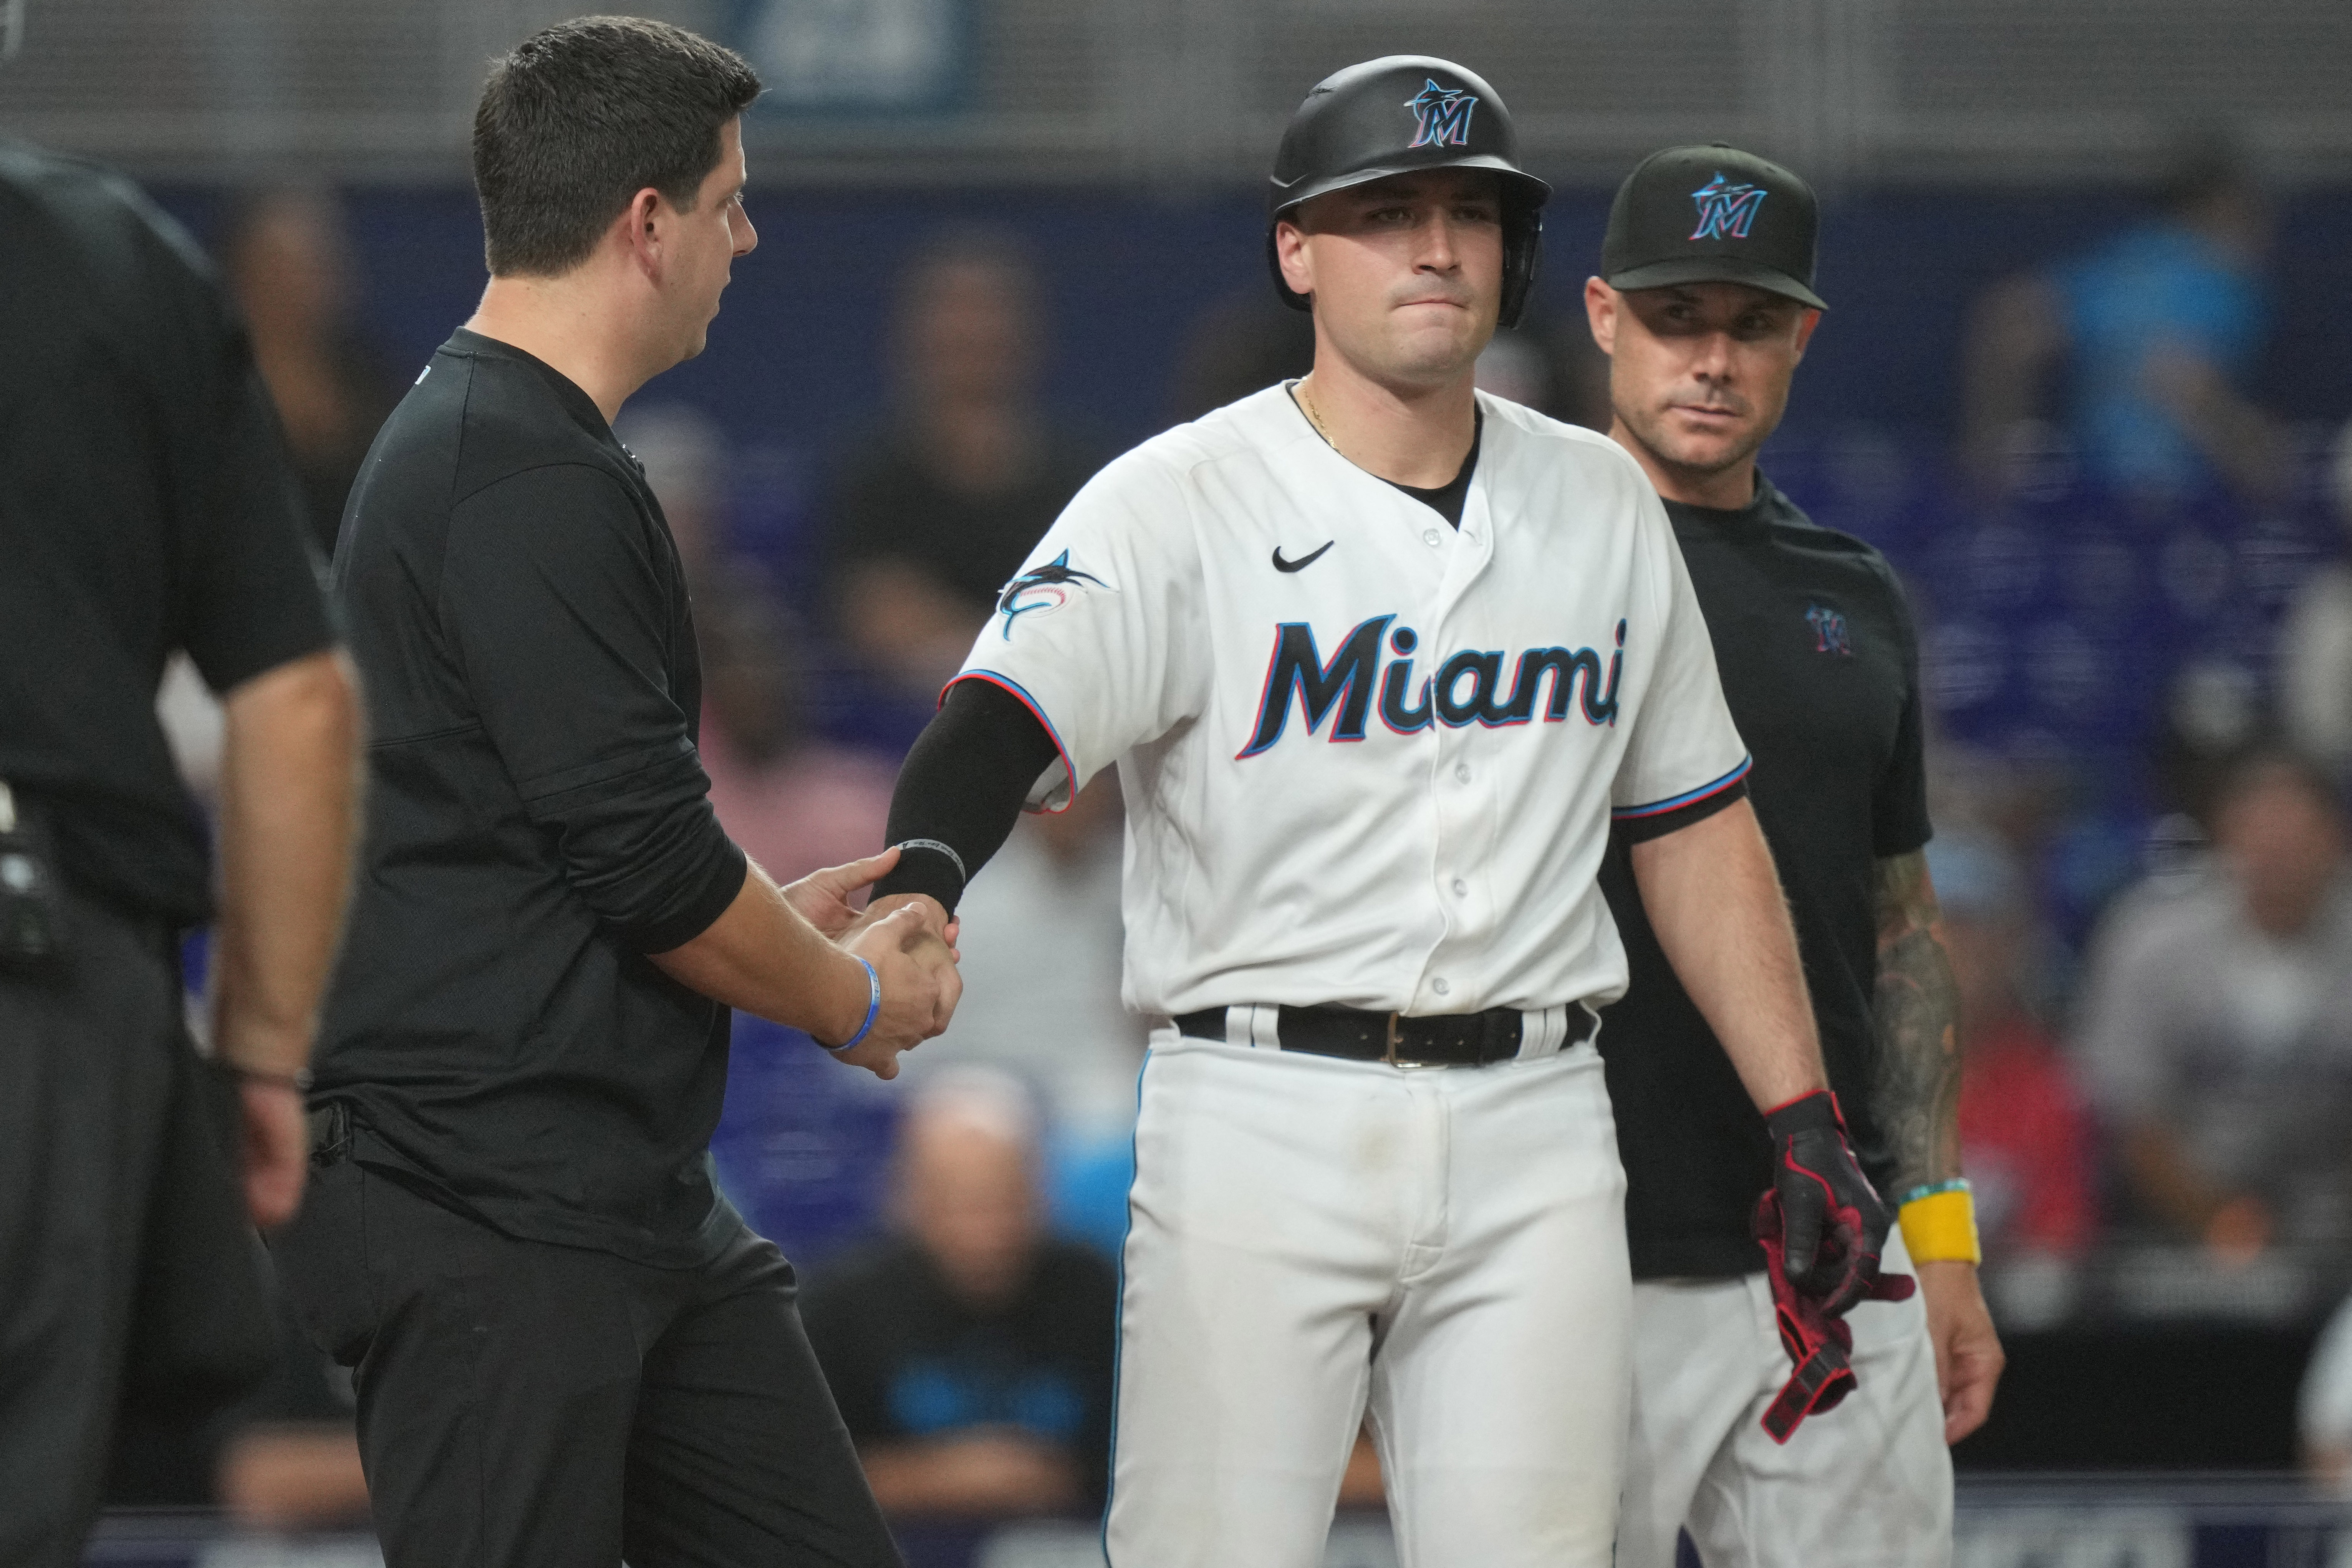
x=963, y=786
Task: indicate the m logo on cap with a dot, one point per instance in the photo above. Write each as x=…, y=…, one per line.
x=1725, y=210
x=1443, y=115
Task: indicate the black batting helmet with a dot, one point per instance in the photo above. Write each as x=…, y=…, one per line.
x=1396, y=115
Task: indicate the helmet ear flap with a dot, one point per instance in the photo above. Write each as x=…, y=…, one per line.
x=1290, y=297
x=1522, y=259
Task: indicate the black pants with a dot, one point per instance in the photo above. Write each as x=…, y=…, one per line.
x=525, y=1404
x=88, y=1066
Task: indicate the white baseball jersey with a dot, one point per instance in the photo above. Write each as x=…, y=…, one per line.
x=1369, y=759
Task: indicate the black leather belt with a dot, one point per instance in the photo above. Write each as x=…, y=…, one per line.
x=1452, y=1039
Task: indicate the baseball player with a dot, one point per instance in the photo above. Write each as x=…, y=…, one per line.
x=1378, y=659
x=1704, y=305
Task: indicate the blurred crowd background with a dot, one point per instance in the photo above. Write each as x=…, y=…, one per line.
x=2086, y=380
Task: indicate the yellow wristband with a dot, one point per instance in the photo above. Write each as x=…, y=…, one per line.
x=1941, y=1228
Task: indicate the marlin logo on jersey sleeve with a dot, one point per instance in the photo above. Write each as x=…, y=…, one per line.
x=1042, y=588
x=1466, y=688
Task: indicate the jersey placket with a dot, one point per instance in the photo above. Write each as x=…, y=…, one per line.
x=1461, y=784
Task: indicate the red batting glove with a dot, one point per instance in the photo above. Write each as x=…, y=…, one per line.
x=1833, y=1221
x=1818, y=1344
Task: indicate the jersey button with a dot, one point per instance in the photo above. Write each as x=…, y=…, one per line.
x=1462, y=772
x=1461, y=889
x=1430, y=539
x=1440, y=987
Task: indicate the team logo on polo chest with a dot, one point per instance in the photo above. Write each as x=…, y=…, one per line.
x=1830, y=634
x=1467, y=687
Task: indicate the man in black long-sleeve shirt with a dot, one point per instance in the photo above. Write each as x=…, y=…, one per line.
x=569, y=1347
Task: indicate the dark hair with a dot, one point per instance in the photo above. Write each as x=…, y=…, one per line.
x=582, y=117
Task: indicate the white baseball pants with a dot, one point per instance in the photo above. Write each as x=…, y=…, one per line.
x=1867, y=1485
x=1309, y=1237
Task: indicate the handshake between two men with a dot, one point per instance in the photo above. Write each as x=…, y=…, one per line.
x=865, y=983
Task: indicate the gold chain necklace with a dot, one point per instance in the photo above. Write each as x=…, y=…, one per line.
x=1306, y=404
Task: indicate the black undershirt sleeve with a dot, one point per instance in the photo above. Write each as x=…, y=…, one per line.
x=963, y=786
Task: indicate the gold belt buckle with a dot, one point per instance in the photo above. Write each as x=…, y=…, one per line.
x=1395, y=1037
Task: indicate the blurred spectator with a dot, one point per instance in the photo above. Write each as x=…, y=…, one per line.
x=288, y=262
x=971, y=1353
x=2153, y=333
x=2214, y=711
x=2025, y=1134
x=684, y=455
x=934, y=515
x=792, y=800
x=2215, y=1027
x=2315, y=643
x=1243, y=343
x=2324, y=1412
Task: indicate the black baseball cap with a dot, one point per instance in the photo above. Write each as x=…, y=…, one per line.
x=1712, y=215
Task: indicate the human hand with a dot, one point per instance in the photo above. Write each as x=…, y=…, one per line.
x=1834, y=1223
x=274, y=1149
x=950, y=927
x=1969, y=1357
x=916, y=970
x=822, y=897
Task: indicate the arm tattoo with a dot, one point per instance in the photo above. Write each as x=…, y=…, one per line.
x=1915, y=1093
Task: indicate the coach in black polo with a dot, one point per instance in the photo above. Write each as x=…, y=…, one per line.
x=569, y=1347
x=1704, y=305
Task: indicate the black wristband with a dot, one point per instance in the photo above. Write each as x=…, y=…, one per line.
x=933, y=846
x=925, y=865
x=1816, y=1111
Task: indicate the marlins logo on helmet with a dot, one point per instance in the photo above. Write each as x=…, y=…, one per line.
x=1442, y=116
x=1043, y=587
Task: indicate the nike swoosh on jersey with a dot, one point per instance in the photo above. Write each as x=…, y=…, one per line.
x=1304, y=562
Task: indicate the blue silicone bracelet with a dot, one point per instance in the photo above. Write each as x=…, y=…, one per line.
x=1928, y=1190
x=873, y=1009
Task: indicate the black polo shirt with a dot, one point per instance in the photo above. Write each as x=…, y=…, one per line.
x=537, y=823
x=146, y=504
x=1821, y=668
